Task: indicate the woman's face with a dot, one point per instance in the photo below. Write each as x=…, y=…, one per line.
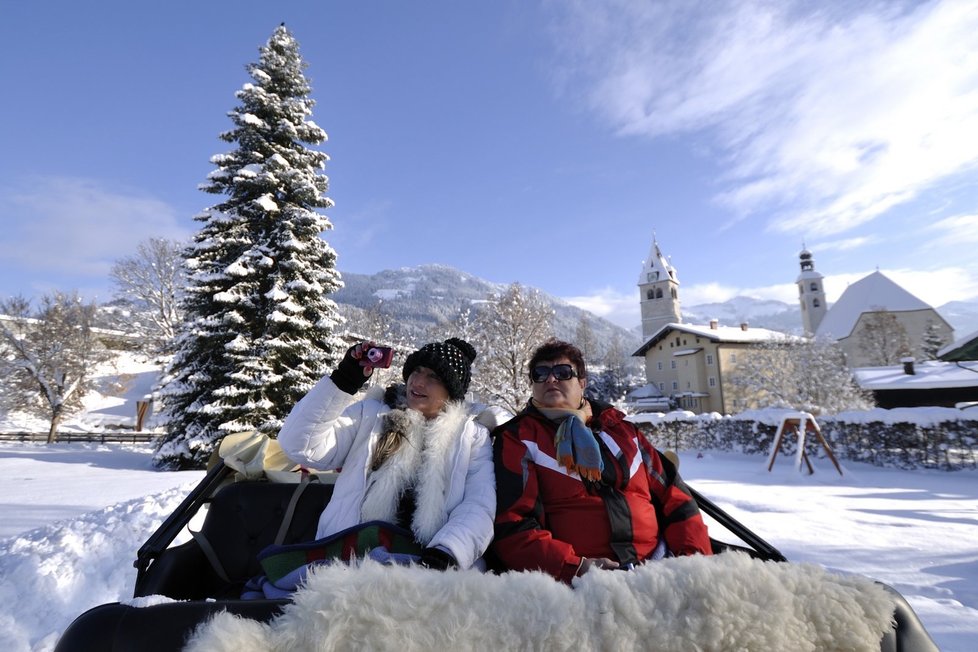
x=425, y=392
x=553, y=393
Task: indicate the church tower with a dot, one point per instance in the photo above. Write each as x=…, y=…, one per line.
x=658, y=288
x=811, y=294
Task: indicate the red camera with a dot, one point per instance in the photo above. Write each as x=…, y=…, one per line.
x=380, y=357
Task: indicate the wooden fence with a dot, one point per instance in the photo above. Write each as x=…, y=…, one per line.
x=84, y=437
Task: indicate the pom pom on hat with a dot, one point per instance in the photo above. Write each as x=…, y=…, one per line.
x=451, y=360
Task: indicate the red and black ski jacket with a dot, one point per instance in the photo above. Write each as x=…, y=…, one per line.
x=548, y=518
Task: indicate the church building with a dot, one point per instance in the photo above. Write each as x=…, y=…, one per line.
x=687, y=363
x=875, y=321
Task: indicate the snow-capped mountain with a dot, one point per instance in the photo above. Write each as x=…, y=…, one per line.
x=761, y=313
x=419, y=298
x=962, y=315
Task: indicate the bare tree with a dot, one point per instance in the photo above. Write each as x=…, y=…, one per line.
x=509, y=327
x=48, y=356
x=153, y=278
x=882, y=338
x=585, y=340
x=807, y=374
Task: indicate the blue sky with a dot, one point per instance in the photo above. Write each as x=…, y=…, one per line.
x=539, y=142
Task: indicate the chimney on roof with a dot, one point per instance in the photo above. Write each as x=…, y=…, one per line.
x=743, y=325
x=714, y=323
x=908, y=366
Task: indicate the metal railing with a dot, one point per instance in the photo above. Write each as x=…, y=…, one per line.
x=84, y=437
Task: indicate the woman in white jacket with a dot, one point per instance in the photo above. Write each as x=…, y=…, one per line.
x=413, y=455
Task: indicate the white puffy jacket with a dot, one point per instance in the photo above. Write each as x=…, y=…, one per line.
x=455, y=496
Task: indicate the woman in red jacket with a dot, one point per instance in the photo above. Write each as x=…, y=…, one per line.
x=578, y=487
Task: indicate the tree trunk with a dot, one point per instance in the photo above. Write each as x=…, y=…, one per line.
x=53, y=432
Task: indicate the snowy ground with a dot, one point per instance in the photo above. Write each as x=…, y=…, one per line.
x=72, y=517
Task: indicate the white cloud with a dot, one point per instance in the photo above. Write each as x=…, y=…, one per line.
x=845, y=244
x=615, y=306
x=58, y=224
x=829, y=114
x=955, y=231
x=935, y=287
x=692, y=295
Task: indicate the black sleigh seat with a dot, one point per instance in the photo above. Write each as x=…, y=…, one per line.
x=242, y=519
x=207, y=573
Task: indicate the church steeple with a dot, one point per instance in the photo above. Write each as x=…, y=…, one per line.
x=811, y=294
x=658, y=287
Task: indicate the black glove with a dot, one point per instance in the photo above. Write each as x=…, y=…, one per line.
x=437, y=559
x=350, y=375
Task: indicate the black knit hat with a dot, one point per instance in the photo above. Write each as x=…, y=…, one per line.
x=451, y=360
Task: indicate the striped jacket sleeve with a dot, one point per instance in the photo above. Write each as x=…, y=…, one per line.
x=521, y=542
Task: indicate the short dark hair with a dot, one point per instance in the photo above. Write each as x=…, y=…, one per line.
x=553, y=349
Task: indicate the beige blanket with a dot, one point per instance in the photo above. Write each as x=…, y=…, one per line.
x=728, y=602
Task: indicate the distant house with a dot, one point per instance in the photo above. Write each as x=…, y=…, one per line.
x=691, y=363
x=647, y=398
x=932, y=383
x=964, y=349
x=853, y=319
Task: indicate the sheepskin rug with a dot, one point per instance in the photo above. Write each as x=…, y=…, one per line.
x=727, y=602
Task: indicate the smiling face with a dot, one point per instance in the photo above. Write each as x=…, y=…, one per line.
x=563, y=394
x=425, y=392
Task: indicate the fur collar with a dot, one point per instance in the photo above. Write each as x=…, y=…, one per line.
x=424, y=460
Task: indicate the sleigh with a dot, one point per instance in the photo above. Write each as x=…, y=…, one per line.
x=178, y=587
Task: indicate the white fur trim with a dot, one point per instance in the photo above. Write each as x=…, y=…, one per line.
x=425, y=459
x=727, y=602
x=386, y=484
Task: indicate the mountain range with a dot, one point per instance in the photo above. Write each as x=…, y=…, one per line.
x=421, y=297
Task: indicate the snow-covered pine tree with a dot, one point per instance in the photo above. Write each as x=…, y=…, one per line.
x=932, y=342
x=259, y=327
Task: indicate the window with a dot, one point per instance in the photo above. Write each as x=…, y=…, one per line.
x=733, y=357
x=650, y=294
x=662, y=387
x=672, y=364
x=815, y=303
x=709, y=359
x=814, y=286
x=658, y=293
x=675, y=385
x=713, y=381
x=658, y=365
x=687, y=385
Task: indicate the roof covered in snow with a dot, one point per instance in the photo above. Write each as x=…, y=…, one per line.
x=965, y=348
x=871, y=293
x=656, y=267
x=731, y=334
x=933, y=374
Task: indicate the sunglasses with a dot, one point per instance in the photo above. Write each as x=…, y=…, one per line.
x=541, y=373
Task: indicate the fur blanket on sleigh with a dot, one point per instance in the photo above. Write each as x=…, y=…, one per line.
x=726, y=602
